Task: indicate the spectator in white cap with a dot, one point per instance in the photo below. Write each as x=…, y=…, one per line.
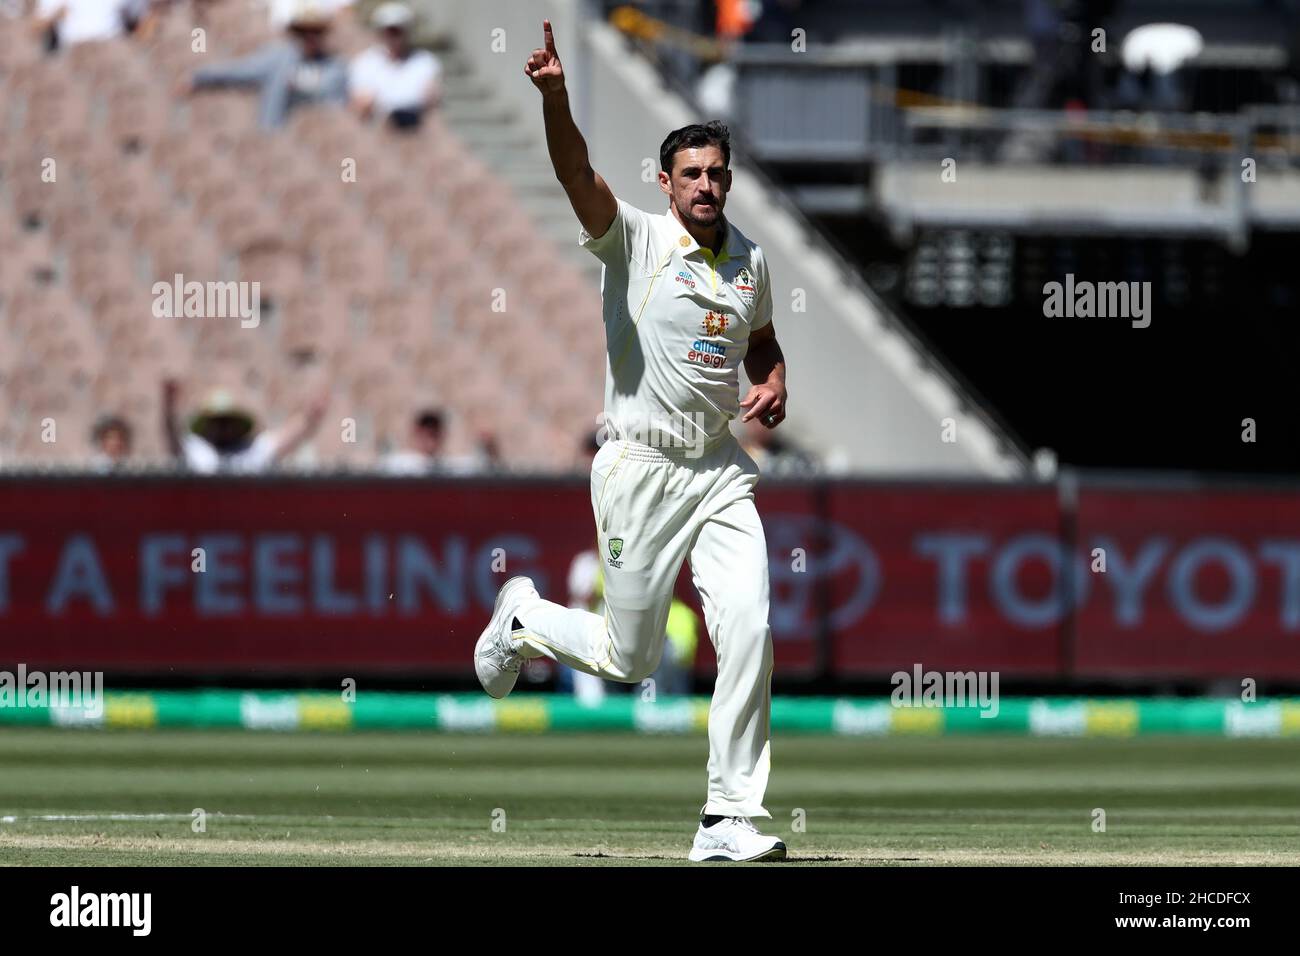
x=83, y=21
x=391, y=80
x=282, y=11
x=223, y=435
x=302, y=71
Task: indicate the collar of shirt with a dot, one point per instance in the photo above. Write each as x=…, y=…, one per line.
x=686, y=242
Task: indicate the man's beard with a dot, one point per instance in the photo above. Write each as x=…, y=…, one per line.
x=689, y=215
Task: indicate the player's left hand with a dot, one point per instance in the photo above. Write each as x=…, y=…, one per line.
x=766, y=403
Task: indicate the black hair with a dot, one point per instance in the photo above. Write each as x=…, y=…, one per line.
x=712, y=133
x=110, y=423
x=430, y=420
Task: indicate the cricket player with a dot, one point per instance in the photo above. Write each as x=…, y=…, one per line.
x=687, y=299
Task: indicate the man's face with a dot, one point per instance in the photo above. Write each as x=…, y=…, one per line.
x=311, y=39
x=428, y=441
x=698, y=185
x=395, y=40
x=115, y=444
x=225, y=432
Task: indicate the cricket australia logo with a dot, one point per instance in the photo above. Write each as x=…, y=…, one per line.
x=744, y=284
x=715, y=323
x=615, y=549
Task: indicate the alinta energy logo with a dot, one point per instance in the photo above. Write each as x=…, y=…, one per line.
x=686, y=279
x=74, y=693
x=704, y=352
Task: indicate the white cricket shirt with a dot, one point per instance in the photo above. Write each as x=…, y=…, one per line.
x=86, y=21
x=395, y=84
x=677, y=325
x=201, y=456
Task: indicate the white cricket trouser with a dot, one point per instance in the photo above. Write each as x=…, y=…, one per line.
x=654, y=507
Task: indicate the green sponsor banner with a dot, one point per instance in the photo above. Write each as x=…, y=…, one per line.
x=631, y=713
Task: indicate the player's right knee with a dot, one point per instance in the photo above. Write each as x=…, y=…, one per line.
x=632, y=667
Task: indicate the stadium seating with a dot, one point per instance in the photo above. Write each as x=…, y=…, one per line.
x=385, y=287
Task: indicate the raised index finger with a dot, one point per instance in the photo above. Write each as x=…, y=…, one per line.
x=550, y=37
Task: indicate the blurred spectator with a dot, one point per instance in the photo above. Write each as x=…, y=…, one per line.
x=424, y=452
x=676, y=667
x=112, y=440
x=224, y=438
x=1063, y=68
x=67, y=22
x=1043, y=25
x=586, y=591
x=287, y=75
x=587, y=453
x=716, y=91
x=734, y=18
x=490, y=452
x=1154, y=57
x=776, y=22
x=391, y=80
x=282, y=11
x=770, y=452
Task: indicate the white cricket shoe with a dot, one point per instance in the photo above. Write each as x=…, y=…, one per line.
x=736, y=840
x=496, y=655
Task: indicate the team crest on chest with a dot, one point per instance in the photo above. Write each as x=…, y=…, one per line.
x=715, y=323
x=744, y=285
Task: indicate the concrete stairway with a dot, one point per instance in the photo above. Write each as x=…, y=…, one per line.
x=490, y=126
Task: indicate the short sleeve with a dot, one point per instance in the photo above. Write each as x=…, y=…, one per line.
x=430, y=68
x=198, y=454
x=763, y=301
x=626, y=239
x=361, y=72
x=584, y=574
x=259, y=456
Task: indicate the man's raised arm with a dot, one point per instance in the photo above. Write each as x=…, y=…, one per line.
x=589, y=194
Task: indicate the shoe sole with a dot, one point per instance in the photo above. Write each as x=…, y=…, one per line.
x=775, y=853
x=494, y=623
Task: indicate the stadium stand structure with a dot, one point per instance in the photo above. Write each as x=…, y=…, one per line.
x=962, y=156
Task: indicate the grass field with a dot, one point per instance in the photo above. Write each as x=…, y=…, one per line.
x=413, y=799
